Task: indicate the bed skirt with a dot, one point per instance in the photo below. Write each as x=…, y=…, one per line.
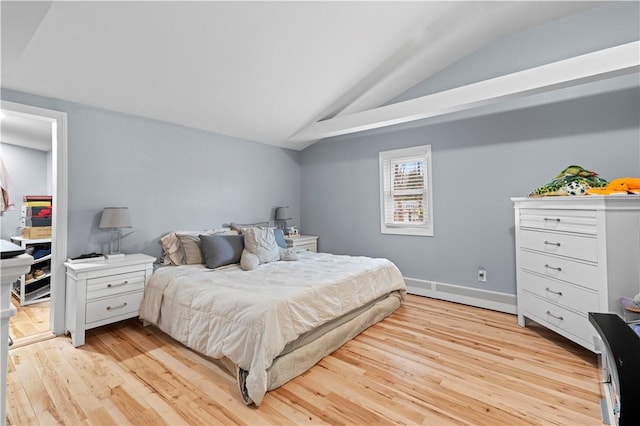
x=292, y=364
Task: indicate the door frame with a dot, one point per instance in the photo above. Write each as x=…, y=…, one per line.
x=58, y=121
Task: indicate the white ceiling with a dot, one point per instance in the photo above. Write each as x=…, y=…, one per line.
x=262, y=71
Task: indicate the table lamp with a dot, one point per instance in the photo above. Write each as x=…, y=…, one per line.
x=115, y=218
x=282, y=216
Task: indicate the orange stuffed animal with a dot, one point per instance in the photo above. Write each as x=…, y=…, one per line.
x=627, y=185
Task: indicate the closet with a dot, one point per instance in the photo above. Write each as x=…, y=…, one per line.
x=34, y=286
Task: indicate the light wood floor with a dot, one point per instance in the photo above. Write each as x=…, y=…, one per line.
x=29, y=319
x=431, y=362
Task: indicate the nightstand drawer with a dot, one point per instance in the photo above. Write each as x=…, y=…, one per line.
x=578, y=273
x=303, y=243
x=582, y=221
x=305, y=247
x=115, y=284
x=113, y=307
x=570, y=245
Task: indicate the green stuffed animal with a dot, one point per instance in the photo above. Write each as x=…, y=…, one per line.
x=573, y=180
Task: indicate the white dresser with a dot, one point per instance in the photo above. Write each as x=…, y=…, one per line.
x=575, y=255
x=103, y=292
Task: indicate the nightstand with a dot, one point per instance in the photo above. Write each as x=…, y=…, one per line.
x=103, y=292
x=303, y=242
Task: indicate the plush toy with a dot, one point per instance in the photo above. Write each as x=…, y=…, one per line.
x=573, y=180
x=627, y=185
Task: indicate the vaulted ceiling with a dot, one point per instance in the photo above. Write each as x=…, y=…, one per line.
x=261, y=71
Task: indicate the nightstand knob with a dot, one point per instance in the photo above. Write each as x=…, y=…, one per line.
x=116, y=285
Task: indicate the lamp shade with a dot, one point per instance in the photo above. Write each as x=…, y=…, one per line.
x=283, y=213
x=115, y=217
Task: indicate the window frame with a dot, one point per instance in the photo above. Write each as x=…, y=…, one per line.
x=386, y=159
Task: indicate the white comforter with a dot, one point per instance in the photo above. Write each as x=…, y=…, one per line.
x=249, y=316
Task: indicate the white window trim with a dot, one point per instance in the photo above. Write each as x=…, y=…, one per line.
x=425, y=230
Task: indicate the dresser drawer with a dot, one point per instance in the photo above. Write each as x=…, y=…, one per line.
x=116, y=306
x=578, y=273
x=570, y=245
x=115, y=284
x=557, y=318
x=559, y=292
x=582, y=221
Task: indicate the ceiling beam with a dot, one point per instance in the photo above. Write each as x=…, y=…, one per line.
x=599, y=65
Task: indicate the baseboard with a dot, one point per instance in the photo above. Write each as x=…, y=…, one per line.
x=496, y=301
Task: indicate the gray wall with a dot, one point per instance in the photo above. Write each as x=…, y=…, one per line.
x=481, y=158
x=29, y=171
x=171, y=177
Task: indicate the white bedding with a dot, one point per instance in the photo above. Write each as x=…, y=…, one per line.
x=249, y=316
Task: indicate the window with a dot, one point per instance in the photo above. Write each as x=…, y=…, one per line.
x=406, y=205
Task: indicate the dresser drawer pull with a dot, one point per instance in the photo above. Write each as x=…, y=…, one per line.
x=554, y=316
x=549, y=219
x=118, y=284
x=559, y=293
x=554, y=268
x=110, y=308
x=552, y=244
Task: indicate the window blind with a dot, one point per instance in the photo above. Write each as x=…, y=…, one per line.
x=406, y=206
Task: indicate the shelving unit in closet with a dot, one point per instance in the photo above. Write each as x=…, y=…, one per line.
x=35, y=285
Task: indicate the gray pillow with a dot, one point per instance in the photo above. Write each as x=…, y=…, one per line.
x=221, y=250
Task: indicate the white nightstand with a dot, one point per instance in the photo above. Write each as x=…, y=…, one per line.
x=103, y=292
x=303, y=242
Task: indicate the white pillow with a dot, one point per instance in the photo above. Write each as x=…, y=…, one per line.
x=262, y=243
x=288, y=254
x=248, y=261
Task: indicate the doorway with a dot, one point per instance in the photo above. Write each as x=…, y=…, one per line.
x=56, y=123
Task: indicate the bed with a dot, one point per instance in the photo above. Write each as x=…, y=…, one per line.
x=271, y=323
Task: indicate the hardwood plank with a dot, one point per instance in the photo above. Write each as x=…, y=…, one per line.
x=431, y=362
x=19, y=409
x=29, y=319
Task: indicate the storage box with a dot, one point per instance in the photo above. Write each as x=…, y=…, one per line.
x=38, y=221
x=35, y=232
x=42, y=211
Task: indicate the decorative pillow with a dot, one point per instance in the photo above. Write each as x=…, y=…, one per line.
x=248, y=260
x=221, y=250
x=288, y=254
x=280, y=238
x=172, y=250
x=240, y=227
x=262, y=243
x=191, y=249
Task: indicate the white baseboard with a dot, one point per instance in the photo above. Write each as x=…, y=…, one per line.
x=501, y=302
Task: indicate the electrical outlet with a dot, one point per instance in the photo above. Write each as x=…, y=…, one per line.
x=482, y=274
